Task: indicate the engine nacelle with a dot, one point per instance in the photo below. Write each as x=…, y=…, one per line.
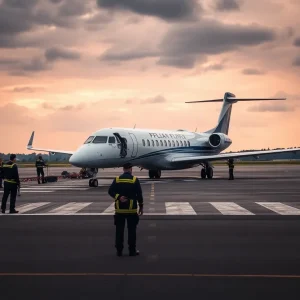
x=219, y=140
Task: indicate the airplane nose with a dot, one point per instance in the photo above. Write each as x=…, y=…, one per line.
x=75, y=160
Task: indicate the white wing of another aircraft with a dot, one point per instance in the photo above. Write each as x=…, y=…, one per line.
x=196, y=159
x=30, y=147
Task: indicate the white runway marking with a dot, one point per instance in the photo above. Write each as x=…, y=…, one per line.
x=230, y=208
x=179, y=208
x=70, y=208
x=110, y=210
x=27, y=207
x=280, y=208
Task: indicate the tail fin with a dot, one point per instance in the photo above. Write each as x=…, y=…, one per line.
x=224, y=117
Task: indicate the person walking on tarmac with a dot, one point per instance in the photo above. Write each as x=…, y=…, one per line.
x=1, y=172
x=231, y=167
x=11, y=184
x=40, y=164
x=127, y=192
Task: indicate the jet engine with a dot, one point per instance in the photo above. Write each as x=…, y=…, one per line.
x=219, y=140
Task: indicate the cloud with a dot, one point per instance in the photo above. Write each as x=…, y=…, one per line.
x=35, y=65
x=154, y=100
x=214, y=67
x=54, y=53
x=297, y=42
x=56, y=1
x=27, y=89
x=123, y=55
x=209, y=37
x=225, y=5
x=291, y=104
x=296, y=61
x=73, y=8
x=251, y=71
x=169, y=10
x=271, y=108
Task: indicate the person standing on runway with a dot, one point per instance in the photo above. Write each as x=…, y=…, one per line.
x=11, y=184
x=127, y=192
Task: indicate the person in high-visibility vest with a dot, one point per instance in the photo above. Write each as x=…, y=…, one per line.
x=127, y=192
x=11, y=184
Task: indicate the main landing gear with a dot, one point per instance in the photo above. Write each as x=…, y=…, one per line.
x=207, y=171
x=93, y=182
x=154, y=174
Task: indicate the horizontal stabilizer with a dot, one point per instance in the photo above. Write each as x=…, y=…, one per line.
x=232, y=99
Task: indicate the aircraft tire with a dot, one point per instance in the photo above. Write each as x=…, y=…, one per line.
x=95, y=183
x=90, y=183
x=210, y=172
x=157, y=174
x=203, y=174
x=151, y=174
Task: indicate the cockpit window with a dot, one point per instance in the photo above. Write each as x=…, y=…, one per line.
x=89, y=140
x=111, y=140
x=100, y=140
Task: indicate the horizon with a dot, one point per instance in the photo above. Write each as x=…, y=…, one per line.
x=69, y=67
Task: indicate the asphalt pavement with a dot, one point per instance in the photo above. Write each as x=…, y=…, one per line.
x=208, y=239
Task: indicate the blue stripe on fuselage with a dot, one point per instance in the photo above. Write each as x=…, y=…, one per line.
x=185, y=150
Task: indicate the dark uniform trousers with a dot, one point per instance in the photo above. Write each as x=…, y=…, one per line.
x=40, y=172
x=132, y=222
x=12, y=189
x=231, y=177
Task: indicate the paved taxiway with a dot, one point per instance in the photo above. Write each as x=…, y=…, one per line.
x=219, y=252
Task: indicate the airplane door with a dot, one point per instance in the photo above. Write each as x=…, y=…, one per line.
x=122, y=144
x=134, y=144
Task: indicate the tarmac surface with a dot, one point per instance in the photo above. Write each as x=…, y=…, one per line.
x=198, y=238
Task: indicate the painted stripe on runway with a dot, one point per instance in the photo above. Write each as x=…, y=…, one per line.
x=30, y=206
x=179, y=208
x=53, y=188
x=280, y=208
x=230, y=208
x=33, y=191
x=70, y=208
x=110, y=210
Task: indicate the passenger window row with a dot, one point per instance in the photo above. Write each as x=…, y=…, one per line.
x=164, y=143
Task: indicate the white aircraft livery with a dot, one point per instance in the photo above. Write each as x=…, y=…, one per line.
x=157, y=150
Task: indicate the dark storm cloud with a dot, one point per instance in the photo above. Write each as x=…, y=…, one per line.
x=53, y=54
x=56, y=1
x=73, y=8
x=251, y=71
x=21, y=3
x=184, y=62
x=225, y=5
x=209, y=37
x=297, y=42
x=296, y=61
x=112, y=55
x=171, y=10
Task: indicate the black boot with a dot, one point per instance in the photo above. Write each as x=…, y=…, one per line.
x=13, y=211
x=134, y=252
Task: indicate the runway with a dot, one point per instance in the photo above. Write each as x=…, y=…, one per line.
x=256, y=191
x=198, y=238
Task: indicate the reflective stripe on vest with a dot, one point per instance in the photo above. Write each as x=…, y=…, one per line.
x=10, y=180
x=8, y=166
x=118, y=180
x=125, y=211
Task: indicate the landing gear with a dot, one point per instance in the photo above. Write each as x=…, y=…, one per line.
x=154, y=174
x=207, y=171
x=94, y=181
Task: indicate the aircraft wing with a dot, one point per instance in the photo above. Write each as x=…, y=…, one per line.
x=203, y=158
x=30, y=147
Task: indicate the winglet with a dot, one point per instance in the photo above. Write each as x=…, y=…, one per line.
x=29, y=146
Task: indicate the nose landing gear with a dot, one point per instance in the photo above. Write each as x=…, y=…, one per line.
x=93, y=182
x=207, y=171
x=154, y=174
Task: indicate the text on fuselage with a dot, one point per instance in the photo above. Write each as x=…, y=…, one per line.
x=167, y=136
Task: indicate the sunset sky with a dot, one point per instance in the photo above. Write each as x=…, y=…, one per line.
x=71, y=67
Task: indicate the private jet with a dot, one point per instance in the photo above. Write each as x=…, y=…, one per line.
x=157, y=150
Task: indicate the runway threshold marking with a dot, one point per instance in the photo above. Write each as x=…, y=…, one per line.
x=179, y=208
x=230, y=208
x=280, y=208
x=290, y=276
x=70, y=208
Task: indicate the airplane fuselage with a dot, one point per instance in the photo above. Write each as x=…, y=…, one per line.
x=147, y=148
